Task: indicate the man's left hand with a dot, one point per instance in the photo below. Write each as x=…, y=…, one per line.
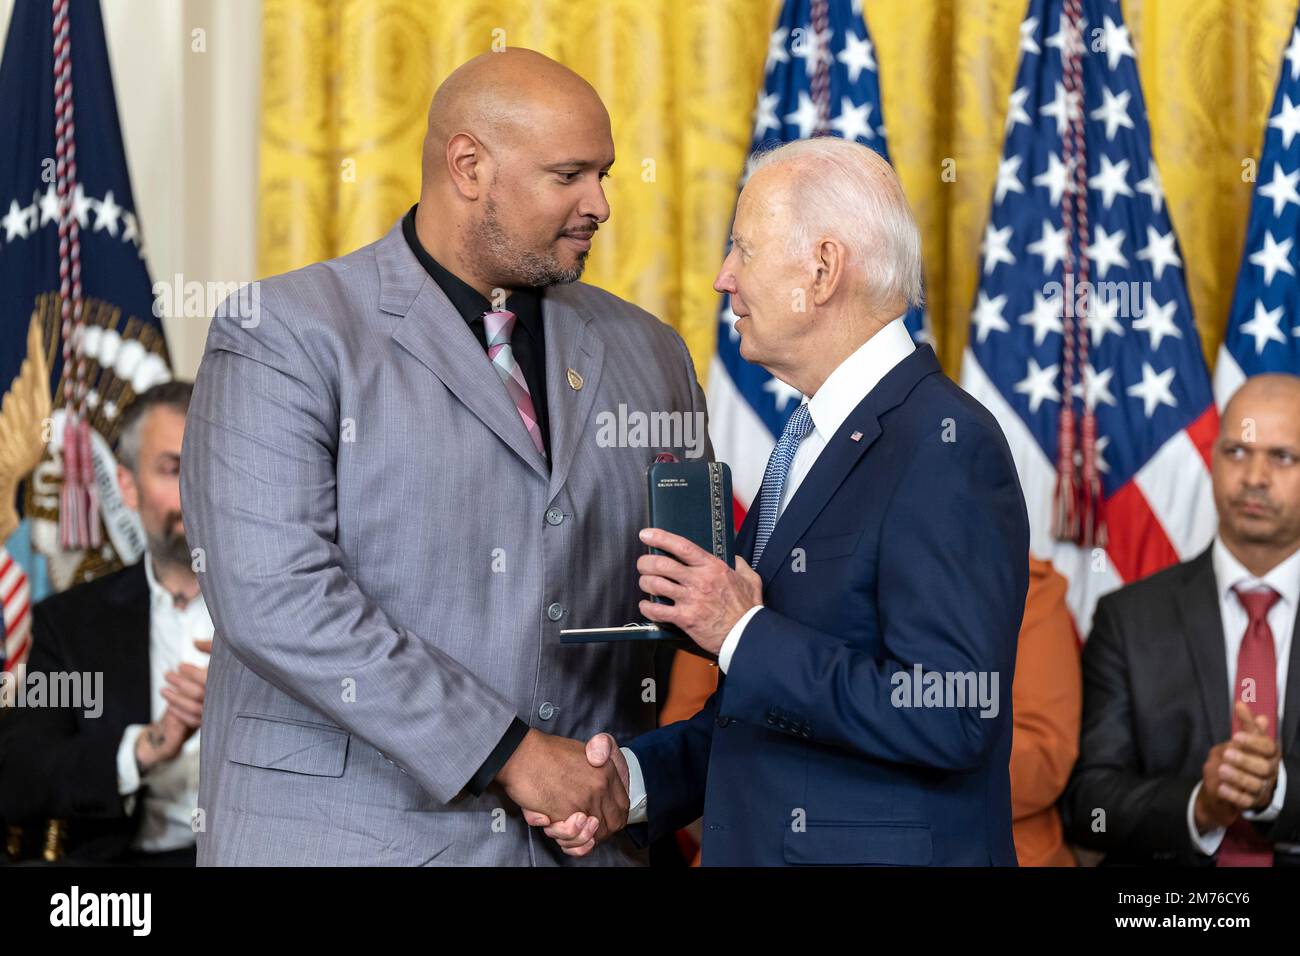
x=708, y=597
x=1250, y=763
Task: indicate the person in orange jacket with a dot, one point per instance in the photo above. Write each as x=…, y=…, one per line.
x=1047, y=698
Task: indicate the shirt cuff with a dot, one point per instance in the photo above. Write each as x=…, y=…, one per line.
x=1270, y=812
x=1208, y=842
x=506, y=746
x=128, y=771
x=728, y=647
x=636, y=795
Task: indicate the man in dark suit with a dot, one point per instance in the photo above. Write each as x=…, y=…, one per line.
x=1189, y=673
x=120, y=779
x=864, y=715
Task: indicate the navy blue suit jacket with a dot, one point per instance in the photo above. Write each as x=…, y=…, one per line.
x=905, y=545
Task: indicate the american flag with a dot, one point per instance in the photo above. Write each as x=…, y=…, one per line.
x=820, y=79
x=79, y=338
x=1078, y=198
x=1263, y=332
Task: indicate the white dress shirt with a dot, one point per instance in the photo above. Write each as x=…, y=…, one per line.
x=173, y=786
x=842, y=392
x=1229, y=573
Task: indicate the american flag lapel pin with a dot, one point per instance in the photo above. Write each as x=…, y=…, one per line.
x=856, y=436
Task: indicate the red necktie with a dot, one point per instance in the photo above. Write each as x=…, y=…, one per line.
x=1256, y=685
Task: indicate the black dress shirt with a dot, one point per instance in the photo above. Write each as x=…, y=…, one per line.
x=528, y=342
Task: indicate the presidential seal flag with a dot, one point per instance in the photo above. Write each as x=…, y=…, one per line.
x=1081, y=339
x=80, y=338
x=1263, y=333
x=820, y=79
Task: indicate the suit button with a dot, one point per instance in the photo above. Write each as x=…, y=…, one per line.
x=555, y=612
x=723, y=721
x=546, y=711
x=554, y=516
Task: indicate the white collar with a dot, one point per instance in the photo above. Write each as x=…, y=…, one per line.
x=855, y=377
x=158, y=593
x=1283, y=578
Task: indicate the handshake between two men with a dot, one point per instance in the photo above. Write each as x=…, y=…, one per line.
x=580, y=794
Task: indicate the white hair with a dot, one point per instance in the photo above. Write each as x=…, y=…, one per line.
x=849, y=192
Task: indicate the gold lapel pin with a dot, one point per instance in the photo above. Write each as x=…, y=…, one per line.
x=856, y=436
x=575, y=380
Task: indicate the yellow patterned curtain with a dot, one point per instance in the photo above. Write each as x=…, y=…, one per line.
x=346, y=84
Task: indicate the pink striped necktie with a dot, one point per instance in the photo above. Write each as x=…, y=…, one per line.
x=499, y=327
x=1257, y=686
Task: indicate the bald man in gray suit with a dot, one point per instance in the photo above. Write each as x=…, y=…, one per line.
x=402, y=476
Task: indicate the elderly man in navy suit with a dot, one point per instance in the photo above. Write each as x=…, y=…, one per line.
x=863, y=715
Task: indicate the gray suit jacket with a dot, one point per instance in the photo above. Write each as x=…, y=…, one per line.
x=388, y=561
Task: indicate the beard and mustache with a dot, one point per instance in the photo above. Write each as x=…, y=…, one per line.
x=1272, y=527
x=168, y=545
x=523, y=268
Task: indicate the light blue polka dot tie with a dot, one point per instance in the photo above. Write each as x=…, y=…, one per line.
x=778, y=467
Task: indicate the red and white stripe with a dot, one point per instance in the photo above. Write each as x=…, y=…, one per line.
x=1163, y=515
x=1228, y=377
x=739, y=438
x=15, y=595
